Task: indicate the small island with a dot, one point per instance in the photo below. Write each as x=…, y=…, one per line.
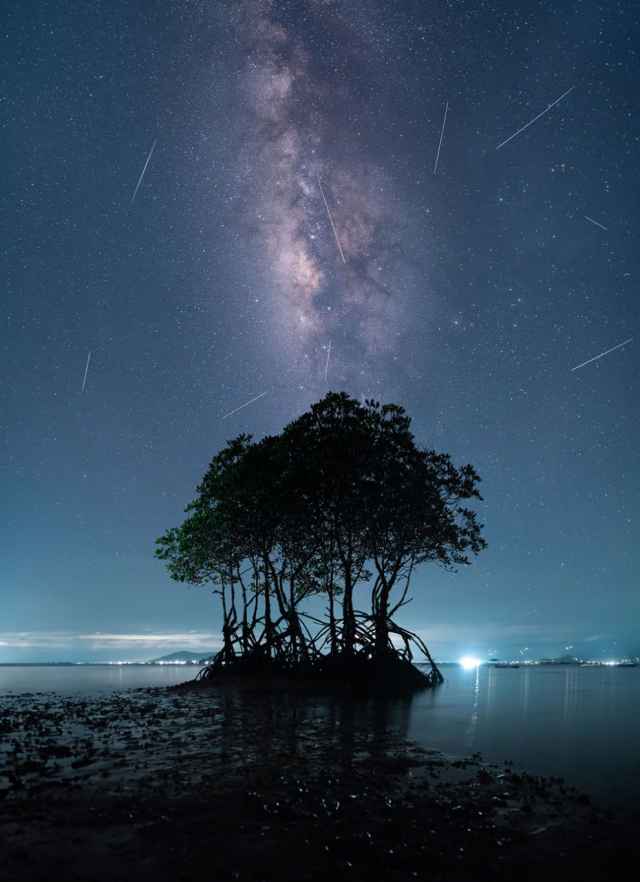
x=341, y=503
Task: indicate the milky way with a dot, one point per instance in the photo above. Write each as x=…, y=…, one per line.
x=304, y=172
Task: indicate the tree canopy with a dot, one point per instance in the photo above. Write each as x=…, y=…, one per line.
x=342, y=501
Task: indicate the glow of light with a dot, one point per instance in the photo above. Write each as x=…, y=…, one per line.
x=469, y=662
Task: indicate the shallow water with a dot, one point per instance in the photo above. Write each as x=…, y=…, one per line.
x=582, y=724
x=90, y=679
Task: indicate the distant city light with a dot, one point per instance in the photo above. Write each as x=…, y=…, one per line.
x=469, y=662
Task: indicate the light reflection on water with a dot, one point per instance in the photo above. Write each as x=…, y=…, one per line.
x=473, y=719
x=582, y=724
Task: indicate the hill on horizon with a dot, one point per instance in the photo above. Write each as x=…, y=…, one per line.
x=184, y=655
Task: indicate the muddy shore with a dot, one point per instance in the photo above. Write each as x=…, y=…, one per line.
x=240, y=784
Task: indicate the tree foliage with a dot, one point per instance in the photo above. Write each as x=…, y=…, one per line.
x=340, y=503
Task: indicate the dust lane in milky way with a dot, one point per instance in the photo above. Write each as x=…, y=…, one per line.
x=303, y=164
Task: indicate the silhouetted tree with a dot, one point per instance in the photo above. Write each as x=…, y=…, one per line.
x=414, y=516
x=207, y=547
x=342, y=497
x=331, y=446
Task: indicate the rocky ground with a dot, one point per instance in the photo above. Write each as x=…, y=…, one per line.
x=220, y=784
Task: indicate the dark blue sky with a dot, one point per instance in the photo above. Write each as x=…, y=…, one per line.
x=467, y=295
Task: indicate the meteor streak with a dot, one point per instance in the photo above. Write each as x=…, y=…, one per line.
x=333, y=226
x=242, y=406
x=444, y=122
x=536, y=118
x=142, y=173
x=602, y=354
x=326, y=367
x=86, y=371
x=597, y=223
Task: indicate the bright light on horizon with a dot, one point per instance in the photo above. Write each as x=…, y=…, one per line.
x=469, y=662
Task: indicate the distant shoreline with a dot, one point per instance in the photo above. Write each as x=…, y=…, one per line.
x=102, y=664
x=586, y=663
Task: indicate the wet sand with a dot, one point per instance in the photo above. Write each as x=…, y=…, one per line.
x=225, y=783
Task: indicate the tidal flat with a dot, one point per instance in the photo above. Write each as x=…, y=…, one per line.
x=249, y=784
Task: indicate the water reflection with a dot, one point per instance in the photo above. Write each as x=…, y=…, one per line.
x=473, y=719
x=577, y=723
x=491, y=685
x=549, y=721
x=525, y=680
x=570, y=695
x=286, y=727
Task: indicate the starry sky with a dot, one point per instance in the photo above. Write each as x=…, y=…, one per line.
x=306, y=222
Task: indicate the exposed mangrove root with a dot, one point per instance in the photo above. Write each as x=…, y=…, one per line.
x=309, y=657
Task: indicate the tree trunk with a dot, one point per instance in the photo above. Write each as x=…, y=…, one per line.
x=348, y=617
x=332, y=622
x=227, y=630
x=381, y=618
x=245, y=622
x=268, y=621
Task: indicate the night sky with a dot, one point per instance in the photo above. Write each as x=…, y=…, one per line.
x=466, y=292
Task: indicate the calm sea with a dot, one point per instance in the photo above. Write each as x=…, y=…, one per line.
x=582, y=724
